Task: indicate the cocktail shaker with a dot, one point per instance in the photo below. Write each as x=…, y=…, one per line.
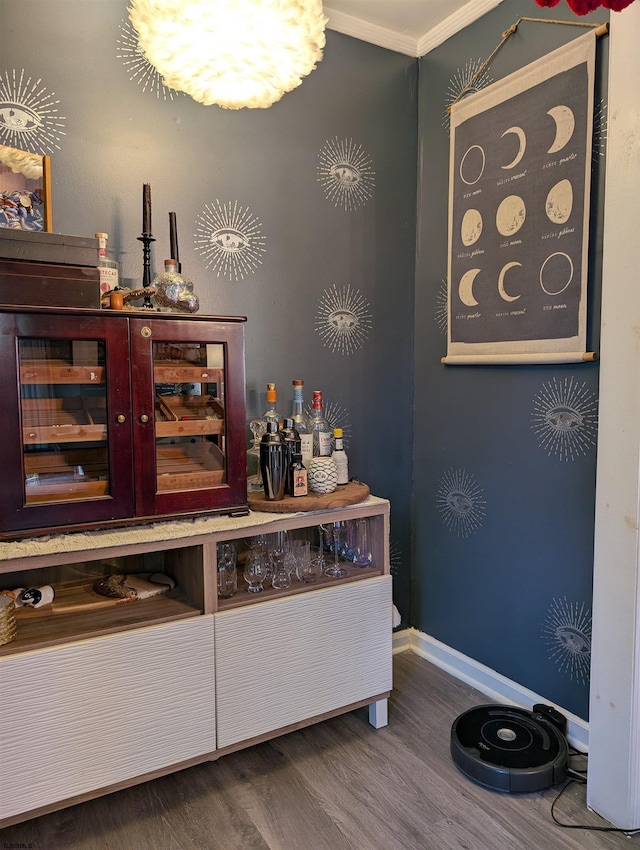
x=273, y=463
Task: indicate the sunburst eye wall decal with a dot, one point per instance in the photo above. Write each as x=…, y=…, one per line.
x=229, y=238
x=459, y=83
x=395, y=558
x=29, y=117
x=565, y=418
x=442, y=307
x=600, y=130
x=343, y=319
x=460, y=502
x=138, y=66
x=567, y=631
x=346, y=174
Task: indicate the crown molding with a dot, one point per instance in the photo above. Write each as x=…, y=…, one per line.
x=406, y=44
x=454, y=24
x=374, y=34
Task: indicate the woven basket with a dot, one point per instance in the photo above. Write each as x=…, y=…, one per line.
x=8, y=626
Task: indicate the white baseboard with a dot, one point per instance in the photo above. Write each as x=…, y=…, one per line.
x=489, y=682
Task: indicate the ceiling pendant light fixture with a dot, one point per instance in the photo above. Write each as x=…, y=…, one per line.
x=234, y=53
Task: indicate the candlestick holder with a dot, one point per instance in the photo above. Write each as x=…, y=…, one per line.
x=146, y=239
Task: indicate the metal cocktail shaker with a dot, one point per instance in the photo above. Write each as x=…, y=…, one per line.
x=273, y=463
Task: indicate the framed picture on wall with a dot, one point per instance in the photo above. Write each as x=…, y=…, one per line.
x=25, y=190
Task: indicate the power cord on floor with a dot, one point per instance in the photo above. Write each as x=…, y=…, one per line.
x=579, y=777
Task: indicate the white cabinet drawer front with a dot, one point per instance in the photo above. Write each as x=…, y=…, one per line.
x=286, y=660
x=89, y=714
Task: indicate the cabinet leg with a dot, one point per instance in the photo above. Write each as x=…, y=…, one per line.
x=378, y=713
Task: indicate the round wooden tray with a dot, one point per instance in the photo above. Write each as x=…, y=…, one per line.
x=346, y=494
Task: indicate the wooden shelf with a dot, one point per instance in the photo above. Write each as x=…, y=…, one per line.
x=182, y=372
x=179, y=416
x=62, y=491
x=59, y=372
x=42, y=627
x=243, y=598
x=63, y=420
x=189, y=466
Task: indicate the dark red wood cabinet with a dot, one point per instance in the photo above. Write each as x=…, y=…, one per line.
x=112, y=418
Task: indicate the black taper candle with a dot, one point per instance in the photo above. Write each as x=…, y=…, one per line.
x=146, y=209
x=173, y=239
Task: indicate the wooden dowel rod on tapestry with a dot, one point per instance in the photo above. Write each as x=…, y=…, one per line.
x=518, y=359
x=600, y=29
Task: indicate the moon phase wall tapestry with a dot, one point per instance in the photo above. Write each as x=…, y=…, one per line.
x=519, y=184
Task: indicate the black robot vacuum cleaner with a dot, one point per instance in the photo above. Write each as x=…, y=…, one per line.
x=510, y=749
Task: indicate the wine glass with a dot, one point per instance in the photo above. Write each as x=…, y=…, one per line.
x=256, y=569
x=337, y=568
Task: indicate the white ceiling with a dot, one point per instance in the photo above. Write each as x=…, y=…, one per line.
x=413, y=27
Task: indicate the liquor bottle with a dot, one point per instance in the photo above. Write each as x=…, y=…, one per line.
x=107, y=268
x=320, y=428
x=272, y=465
x=298, y=479
x=254, y=475
x=301, y=422
x=272, y=414
x=291, y=442
x=340, y=457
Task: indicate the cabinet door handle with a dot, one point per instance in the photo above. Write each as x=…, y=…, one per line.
x=121, y=418
x=144, y=418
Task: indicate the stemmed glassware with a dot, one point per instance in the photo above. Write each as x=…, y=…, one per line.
x=337, y=568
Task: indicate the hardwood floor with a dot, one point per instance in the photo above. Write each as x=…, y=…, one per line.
x=338, y=785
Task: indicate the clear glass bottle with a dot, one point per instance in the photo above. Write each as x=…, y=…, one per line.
x=340, y=457
x=272, y=413
x=107, y=268
x=320, y=428
x=254, y=475
x=301, y=421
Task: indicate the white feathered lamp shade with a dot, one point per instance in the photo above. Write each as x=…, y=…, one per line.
x=234, y=53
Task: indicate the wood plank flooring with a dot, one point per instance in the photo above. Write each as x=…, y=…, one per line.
x=338, y=785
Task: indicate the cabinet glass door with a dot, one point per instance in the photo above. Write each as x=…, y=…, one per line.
x=63, y=406
x=66, y=449
x=189, y=415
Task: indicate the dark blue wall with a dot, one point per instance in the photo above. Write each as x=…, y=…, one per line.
x=107, y=133
x=504, y=500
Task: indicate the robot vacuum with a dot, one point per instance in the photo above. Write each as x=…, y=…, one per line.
x=510, y=749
